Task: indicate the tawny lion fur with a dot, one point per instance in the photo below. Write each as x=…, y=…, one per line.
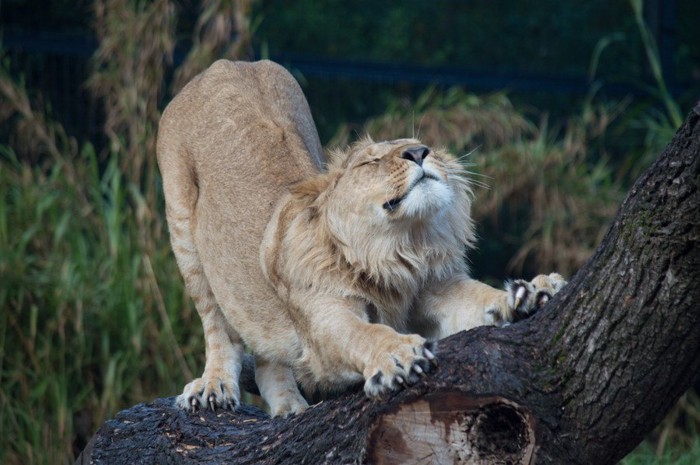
x=331, y=274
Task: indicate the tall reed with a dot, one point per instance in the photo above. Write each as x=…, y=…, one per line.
x=136, y=44
x=92, y=321
x=223, y=30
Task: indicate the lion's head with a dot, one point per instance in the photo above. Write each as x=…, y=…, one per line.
x=385, y=216
x=393, y=181
x=398, y=184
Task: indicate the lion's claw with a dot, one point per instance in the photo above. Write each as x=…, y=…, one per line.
x=542, y=298
x=526, y=298
x=408, y=362
x=209, y=392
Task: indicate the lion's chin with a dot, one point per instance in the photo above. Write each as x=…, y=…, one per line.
x=427, y=198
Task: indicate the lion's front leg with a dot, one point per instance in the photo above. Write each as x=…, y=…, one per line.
x=462, y=303
x=342, y=347
x=278, y=387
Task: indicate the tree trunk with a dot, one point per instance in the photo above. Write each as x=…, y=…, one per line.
x=581, y=382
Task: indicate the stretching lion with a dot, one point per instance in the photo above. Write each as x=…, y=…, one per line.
x=330, y=276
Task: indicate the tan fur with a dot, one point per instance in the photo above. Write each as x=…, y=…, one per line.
x=329, y=277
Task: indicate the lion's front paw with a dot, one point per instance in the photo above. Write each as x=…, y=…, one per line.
x=526, y=298
x=210, y=391
x=399, y=363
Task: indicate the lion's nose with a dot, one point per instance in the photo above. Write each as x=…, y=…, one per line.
x=416, y=154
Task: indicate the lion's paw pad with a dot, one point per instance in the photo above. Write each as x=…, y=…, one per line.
x=402, y=365
x=210, y=392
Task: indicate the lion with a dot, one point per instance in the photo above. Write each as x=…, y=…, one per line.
x=332, y=273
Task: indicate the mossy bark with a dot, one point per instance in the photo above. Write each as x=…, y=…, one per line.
x=581, y=382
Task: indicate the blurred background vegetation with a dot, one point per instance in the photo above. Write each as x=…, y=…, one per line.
x=556, y=107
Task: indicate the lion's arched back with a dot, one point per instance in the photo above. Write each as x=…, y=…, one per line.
x=229, y=146
x=231, y=143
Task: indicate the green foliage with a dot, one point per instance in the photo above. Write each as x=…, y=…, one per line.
x=655, y=120
x=644, y=454
x=652, y=53
x=136, y=42
x=82, y=334
x=95, y=317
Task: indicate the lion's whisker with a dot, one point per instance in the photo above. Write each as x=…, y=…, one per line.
x=477, y=183
x=420, y=126
x=413, y=124
x=461, y=158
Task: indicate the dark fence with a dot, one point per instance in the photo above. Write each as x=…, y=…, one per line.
x=57, y=66
x=54, y=68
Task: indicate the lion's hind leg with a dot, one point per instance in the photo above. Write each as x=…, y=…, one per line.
x=218, y=386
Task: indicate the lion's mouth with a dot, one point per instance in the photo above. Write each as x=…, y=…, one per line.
x=391, y=204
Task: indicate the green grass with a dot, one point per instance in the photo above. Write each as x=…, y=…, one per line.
x=92, y=313
x=645, y=454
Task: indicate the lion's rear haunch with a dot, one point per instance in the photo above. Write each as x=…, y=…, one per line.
x=330, y=274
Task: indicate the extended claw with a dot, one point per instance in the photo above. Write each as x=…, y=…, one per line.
x=430, y=356
x=519, y=295
x=193, y=403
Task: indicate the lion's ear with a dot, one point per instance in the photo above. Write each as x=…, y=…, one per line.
x=313, y=190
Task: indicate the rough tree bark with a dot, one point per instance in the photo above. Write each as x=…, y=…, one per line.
x=581, y=382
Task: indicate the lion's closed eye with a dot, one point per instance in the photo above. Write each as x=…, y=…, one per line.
x=374, y=161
